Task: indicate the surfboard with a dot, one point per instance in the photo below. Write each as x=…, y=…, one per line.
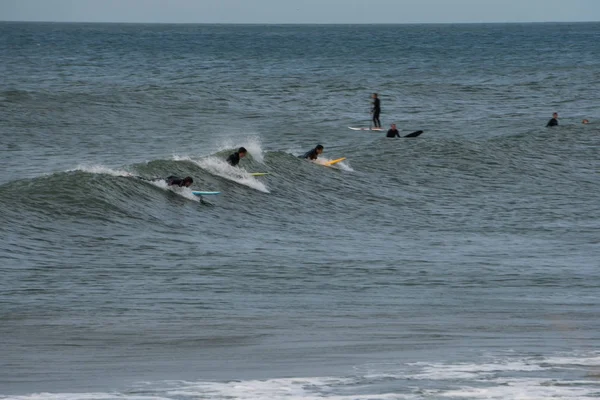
x=333, y=162
x=366, y=129
x=414, y=134
x=259, y=173
x=200, y=193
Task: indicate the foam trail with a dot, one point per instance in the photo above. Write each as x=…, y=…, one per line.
x=223, y=169
x=345, y=166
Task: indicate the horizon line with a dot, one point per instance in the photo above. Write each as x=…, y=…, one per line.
x=299, y=23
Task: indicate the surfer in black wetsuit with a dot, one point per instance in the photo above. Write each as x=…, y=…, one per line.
x=393, y=132
x=553, y=121
x=234, y=159
x=376, y=111
x=314, y=153
x=175, y=181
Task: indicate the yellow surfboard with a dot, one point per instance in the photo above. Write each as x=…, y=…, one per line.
x=333, y=162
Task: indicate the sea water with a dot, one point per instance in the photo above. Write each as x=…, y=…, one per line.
x=462, y=264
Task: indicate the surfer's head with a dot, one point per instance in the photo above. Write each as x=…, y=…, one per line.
x=242, y=152
x=554, y=115
x=585, y=121
x=187, y=181
x=319, y=149
x=374, y=95
x=393, y=126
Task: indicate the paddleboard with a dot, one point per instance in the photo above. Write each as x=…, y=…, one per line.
x=259, y=173
x=366, y=129
x=200, y=193
x=333, y=162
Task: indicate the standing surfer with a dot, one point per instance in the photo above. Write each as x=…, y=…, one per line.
x=376, y=111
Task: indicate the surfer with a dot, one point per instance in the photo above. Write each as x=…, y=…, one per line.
x=376, y=111
x=176, y=181
x=314, y=153
x=393, y=132
x=234, y=159
x=585, y=121
x=553, y=121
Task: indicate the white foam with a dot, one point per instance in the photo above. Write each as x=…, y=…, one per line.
x=221, y=168
x=274, y=389
x=344, y=165
x=593, y=361
x=100, y=169
x=441, y=371
x=83, y=396
x=490, y=380
x=521, y=389
x=251, y=143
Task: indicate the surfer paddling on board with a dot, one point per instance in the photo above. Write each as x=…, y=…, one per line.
x=393, y=132
x=376, y=110
x=171, y=180
x=553, y=121
x=234, y=159
x=175, y=181
x=314, y=153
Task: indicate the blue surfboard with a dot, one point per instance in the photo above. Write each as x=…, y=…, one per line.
x=201, y=193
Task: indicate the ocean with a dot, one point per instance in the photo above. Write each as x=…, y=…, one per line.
x=462, y=264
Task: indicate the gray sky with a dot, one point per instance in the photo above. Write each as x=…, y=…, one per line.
x=300, y=11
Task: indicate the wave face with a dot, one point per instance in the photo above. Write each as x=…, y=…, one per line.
x=459, y=264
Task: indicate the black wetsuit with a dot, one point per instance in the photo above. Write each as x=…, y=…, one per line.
x=311, y=155
x=552, y=122
x=234, y=159
x=393, y=133
x=174, y=181
x=376, y=112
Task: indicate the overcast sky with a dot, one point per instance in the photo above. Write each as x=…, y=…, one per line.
x=300, y=11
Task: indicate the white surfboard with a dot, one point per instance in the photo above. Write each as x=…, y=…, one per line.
x=366, y=129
